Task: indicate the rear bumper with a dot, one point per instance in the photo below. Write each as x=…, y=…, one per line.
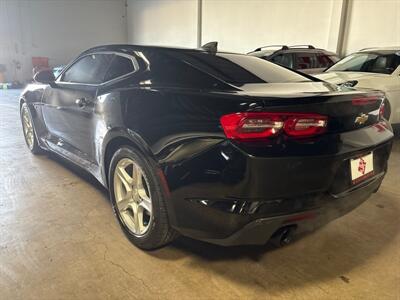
x=259, y=231
x=228, y=196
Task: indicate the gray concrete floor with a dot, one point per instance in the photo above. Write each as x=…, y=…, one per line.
x=59, y=240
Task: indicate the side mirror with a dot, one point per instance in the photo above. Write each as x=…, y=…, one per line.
x=44, y=76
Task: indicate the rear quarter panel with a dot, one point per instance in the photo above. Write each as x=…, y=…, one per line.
x=165, y=116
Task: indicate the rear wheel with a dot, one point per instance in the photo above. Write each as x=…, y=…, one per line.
x=138, y=200
x=29, y=130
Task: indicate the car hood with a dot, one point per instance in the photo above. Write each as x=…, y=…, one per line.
x=341, y=77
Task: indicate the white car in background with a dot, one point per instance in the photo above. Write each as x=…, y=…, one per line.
x=373, y=68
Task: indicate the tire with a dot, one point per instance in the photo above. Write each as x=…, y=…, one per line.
x=154, y=230
x=29, y=130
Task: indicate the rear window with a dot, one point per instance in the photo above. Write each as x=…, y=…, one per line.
x=239, y=69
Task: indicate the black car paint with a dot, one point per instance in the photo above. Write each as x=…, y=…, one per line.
x=216, y=189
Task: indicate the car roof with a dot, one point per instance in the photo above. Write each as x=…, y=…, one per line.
x=268, y=52
x=129, y=49
x=381, y=50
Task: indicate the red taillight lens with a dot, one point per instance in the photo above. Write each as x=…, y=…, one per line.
x=258, y=125
x=365, y=100
x=305, y=125
x=251, y=125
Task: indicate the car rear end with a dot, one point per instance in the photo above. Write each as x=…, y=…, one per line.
x=269, y=151
x=287, y=163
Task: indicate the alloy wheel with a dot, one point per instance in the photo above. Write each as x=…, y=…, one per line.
x=132, y=196
x=27, y=127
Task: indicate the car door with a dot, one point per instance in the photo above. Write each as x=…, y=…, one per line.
x=69, y=107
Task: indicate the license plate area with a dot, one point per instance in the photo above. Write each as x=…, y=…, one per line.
x=361, y=168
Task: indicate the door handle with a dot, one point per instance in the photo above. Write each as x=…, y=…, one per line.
x=81, y=102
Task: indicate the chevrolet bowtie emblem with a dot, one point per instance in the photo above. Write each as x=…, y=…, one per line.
x=361, y=119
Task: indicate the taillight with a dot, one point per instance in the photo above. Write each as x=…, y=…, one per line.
x=365, y=100
x=258, y=125
x=305, y=125
x=251, y=125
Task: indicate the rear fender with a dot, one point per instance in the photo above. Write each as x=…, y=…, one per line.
x=118, y=137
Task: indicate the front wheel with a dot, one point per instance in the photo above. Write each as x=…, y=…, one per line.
x=138, y=200
x=29, y=130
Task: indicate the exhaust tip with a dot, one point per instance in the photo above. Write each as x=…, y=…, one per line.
x=283, y=236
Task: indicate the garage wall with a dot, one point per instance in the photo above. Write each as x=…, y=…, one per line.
x=239, y=25
x=245, y=25
x=58, y=29
x=162, y=22
x=373, y=23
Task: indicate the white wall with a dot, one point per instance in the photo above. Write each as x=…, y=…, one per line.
x=162, y=22
x=238, y=25
x=245, y=25
x=373, y=24
x=61, y=29
x=58, y=29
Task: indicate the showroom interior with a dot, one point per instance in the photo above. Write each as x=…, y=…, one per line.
x=59, y=238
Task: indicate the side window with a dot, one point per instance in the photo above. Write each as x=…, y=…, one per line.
x=90, y=69
x=120, y=66
x=283, y=60
x=323, y=61
x=385, y=64
x=305, y=61
x=166, y=69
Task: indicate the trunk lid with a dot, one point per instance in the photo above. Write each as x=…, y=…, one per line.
x=347, y=109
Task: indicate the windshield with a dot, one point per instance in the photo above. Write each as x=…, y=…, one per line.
x=367, y=62
x=239, y=69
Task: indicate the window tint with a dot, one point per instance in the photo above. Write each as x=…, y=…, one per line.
x=205, y=70
x=368, y=62
x=223, y=66
x=241, y=69
x=89, y=69
x=283, y=60
x=172, y=70
x=120, y=66
x=305, y=61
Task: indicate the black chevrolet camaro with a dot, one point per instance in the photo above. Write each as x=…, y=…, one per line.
x=221, y=147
